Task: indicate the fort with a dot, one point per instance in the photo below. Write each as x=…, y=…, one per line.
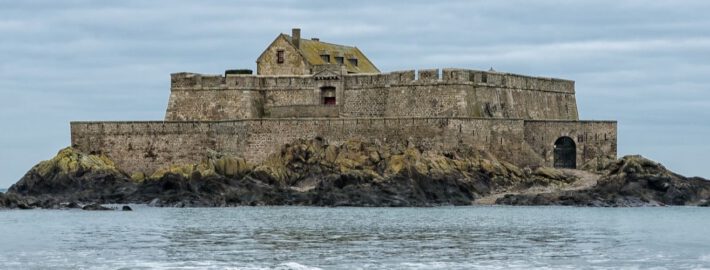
x=306, y=89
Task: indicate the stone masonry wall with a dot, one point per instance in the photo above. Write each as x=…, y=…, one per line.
x=205, y=97
x=426, y=93
x=592, y=139
x=147, y=146
x=293, y=61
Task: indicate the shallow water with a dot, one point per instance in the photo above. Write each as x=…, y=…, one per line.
x=357, y=238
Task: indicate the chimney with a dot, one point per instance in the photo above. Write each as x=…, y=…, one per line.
x=296, y=37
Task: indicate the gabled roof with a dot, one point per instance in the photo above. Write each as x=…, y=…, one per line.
x=312, y=49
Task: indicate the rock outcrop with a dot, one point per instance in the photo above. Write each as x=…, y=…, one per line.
x=312, y=172
x=629, y=181
x=75, y=176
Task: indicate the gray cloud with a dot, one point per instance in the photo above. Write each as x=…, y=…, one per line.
x=644, y=63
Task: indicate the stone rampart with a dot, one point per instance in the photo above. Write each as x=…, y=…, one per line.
x=147, y=146
x=426, y=93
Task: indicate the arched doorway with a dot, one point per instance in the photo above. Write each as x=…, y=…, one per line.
x=565, y=153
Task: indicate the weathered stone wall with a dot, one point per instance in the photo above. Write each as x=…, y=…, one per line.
x=365, y=95
x=293, y=61
x=205, y=97
x=307, y=111
x=592, y=139
x=147, y=146
x=427, y=93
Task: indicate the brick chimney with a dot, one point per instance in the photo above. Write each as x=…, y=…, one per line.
x=296, y=37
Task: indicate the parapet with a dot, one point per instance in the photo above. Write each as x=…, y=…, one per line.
x=194, y=81
x=460, y=76
x=187, y=80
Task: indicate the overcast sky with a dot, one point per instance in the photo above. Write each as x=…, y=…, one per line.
x=643, y=63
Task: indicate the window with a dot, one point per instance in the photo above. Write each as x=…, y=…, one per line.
x=340, y=60
x=325, y=58
x=280, y=56
x=353, y=61
x=328, y=94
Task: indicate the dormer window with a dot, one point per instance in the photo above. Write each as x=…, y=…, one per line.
x=325, y=58
x=353, y=61
x=340, y=60
x=280, y=56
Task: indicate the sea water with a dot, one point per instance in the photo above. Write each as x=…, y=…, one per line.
x=357, y=238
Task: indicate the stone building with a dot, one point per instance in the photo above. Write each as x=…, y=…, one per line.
x=305, y=89
x=291, y=55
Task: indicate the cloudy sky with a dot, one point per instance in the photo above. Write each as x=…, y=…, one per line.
x=643, y=63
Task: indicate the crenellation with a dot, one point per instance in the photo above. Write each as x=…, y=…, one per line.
x=241, y=82
x=428, y=75
x=380, y=79
x=494, y=79
x=212, y=81
x=401, y=77
x=185, y=80
x=456, y=75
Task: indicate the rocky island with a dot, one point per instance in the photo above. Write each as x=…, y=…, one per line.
x=309, y=172
x=319, y=124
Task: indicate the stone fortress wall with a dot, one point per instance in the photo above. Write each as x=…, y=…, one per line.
x=517, y=118
x=147, y=146
x=426, y=93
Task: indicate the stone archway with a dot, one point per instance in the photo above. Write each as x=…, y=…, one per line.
x=565, y=153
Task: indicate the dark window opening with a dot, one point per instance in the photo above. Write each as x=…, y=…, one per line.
x=353, y=61
x=280, y=56
x=339, y=59
x=328, y=94
x=484, y=78
x=325, y=58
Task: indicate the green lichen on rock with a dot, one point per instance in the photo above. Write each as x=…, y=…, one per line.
x=231, y=166
x=212, y=164
x=138, y=176
x=70, y=161
x=301, y=159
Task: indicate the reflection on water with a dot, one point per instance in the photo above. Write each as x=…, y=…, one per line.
x=337, y=238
